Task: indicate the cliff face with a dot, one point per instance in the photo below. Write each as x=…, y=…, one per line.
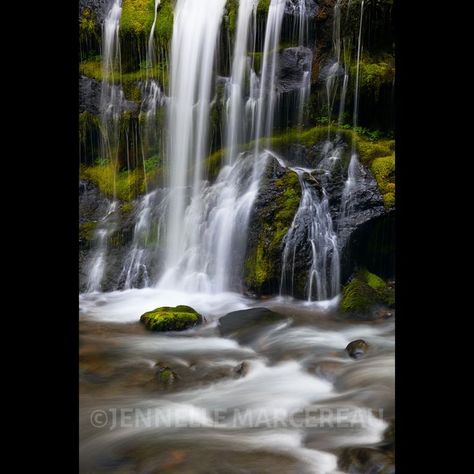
x=141, y=144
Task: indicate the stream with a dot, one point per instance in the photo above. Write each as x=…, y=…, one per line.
x=281, y=396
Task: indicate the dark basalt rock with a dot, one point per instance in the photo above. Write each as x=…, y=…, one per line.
x=357, y=349
x=99, y=7
x=293, y=63
x=89, y=95
x=247, y=319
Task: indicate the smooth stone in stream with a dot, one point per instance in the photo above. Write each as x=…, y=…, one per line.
x=245, y=323
x=357, y=349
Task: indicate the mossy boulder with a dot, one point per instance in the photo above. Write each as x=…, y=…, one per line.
x=276, y=206
x=167, y=318
x=366, y=291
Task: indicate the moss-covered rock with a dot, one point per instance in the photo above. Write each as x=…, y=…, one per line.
x=165, y=375
x=123, y=185
x=365, y=291
x=263, y=6
x=137, y=19
x=375, y=72
x=137, y=16
x=383, y=169
x=168, y=318
x=273, y=218
x=86, y=231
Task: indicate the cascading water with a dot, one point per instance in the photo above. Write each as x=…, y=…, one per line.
x=267, y=93
x=355, y=173
x=214, y=226
x=195, y=30
x=235, y=131
x=111, y=100
x=313, y=227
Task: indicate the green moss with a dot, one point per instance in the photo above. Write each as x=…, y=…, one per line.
x=164, y=22
x=168, y=318
x=92, y=67
x=258, y=267
x=213, y=163
x=373, y=73
x=87, y=121
x=165, y=375
x=231, y=13
x=263, y=6
x=261, y=265
x=127, y=207
x=123, y=185
x=87, y=24
x=86, y=231
x=137, y=16
x=383, y=169
x=132, y=91
x=364, y=291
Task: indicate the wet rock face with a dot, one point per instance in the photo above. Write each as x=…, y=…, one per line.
x=99, y=7
x=93, y=206
x=89, y=95
x=293, y=63
x=292, y=7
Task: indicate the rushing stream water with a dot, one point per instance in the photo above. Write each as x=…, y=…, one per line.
x=210, y=419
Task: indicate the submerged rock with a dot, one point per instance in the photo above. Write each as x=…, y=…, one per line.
x=165, y=374
x=167, y=318
x=357, y=349
x=247, y=320
x=242, y=369
x=365, y=460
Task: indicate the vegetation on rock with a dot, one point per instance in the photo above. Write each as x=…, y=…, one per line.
x=261, y=265
x=168, y=318
x=364, y=291
x=123, y=185
x=383, y=169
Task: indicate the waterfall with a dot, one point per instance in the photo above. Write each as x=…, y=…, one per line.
x=150, y=54
x=355, y=173
x=111, y=100
x=205, y=250
x=195, y=30
x=236, y=87
x=312, y=229
x=267, y=94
